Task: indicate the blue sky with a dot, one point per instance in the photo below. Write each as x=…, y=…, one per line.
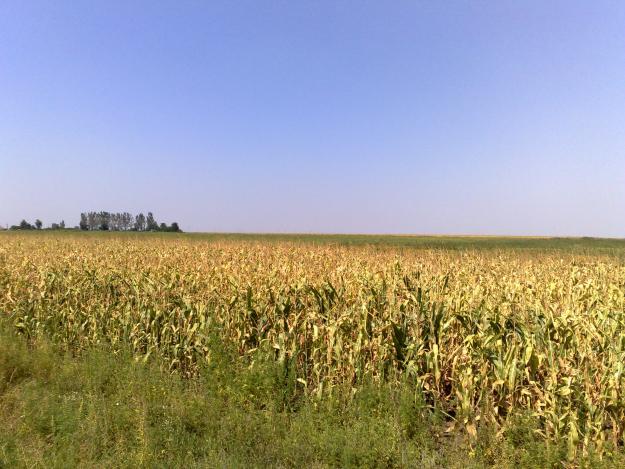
x=338, y=116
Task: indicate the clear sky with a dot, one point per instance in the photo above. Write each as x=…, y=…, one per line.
x=479, y=117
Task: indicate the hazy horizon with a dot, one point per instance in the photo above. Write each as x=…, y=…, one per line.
x=331, y=117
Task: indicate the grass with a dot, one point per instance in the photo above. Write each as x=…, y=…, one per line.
x=98, y=409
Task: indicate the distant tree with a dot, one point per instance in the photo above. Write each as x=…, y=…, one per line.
x=151, y=223
x=91, y=221
x=38, y=224
x=163, y=227
x=126, y=221
x=175, y=228
x=84, y=225
x=62, y=224
x=24, y=225
x=140, y=222
x=104, y=221
x=55, y=226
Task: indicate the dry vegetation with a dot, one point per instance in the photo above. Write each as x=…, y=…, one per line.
x=484, y=337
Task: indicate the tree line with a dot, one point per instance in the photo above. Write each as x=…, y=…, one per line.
x=107, y=221
x=24, y=225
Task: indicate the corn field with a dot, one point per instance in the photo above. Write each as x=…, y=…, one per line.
x=481, y=335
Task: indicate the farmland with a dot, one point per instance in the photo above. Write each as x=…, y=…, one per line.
x=409, y=351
